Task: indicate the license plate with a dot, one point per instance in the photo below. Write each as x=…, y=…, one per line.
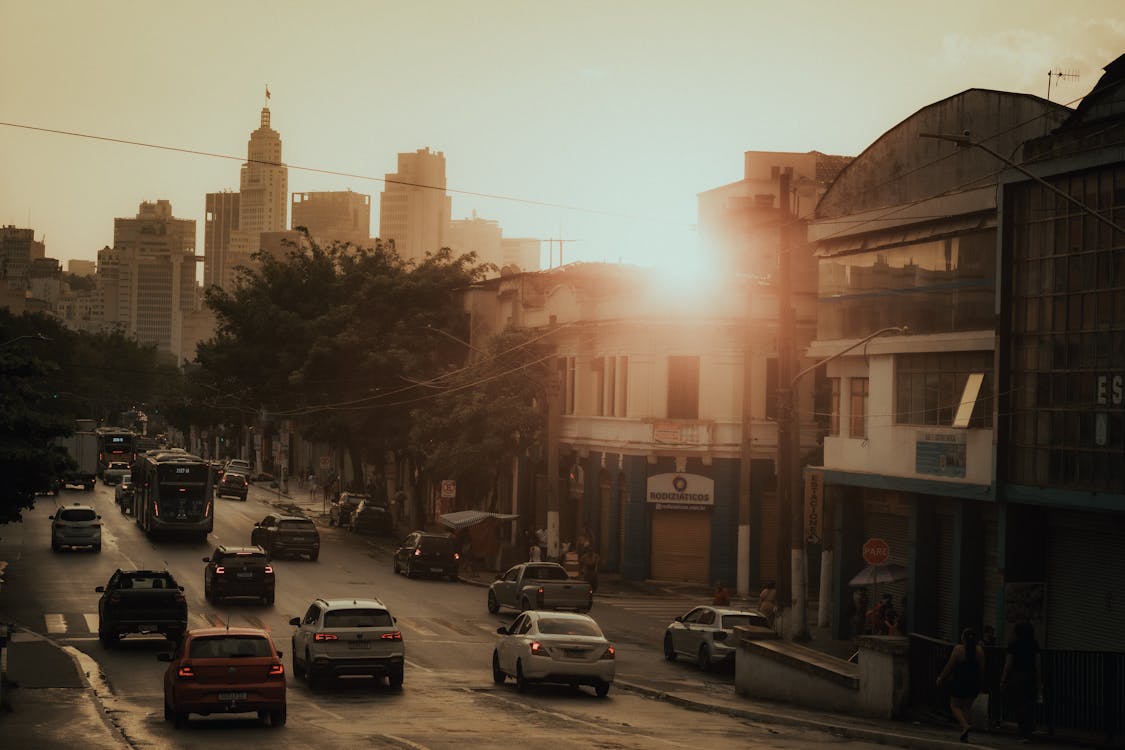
x=244, y=575
x=359, y=644
x=232, y=696
x=435, y=570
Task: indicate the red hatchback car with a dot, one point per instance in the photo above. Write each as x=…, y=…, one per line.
x=224, y=670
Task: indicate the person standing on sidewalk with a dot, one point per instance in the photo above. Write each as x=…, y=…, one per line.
x=1022, y=679
x=963, y=672
x=767, y=600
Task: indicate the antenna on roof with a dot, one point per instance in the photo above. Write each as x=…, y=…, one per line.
x=1057, y=75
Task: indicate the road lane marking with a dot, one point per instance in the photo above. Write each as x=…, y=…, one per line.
x=413, y=626
x=91, y=621
x=56, y=623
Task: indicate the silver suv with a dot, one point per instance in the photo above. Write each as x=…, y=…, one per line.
x=76, y=526
x=346, y=637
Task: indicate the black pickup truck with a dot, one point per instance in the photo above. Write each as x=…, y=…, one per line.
x=141, y=601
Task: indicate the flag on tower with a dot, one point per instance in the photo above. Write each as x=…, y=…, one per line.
x=267, y=92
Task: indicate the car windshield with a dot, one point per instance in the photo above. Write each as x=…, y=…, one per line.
x=358, y=618
x=569, y=627
x=127, y=478
x=147, y=582
x=435, y=544
x=78, y=514
x=546, y=573
x=297, y=525
x=229, y=646
x=742, y=621
x=251, y=558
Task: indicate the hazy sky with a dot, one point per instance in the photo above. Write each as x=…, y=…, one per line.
x=624, y=109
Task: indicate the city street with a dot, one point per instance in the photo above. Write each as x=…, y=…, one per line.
x=448, y=699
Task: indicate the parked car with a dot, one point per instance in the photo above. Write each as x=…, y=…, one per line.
x=238, y=571
x=559, y=647
x=280, y=534
x=542, y=585
x=371, y=517
x=706, y=634
x=224, y=670
x=76, y=526
x=428, y=554
x=114, y=470
x=233, y=485
x=238, y=465
x=347, y=637
x=123, y=493
x=340, y=514
x=141, y=601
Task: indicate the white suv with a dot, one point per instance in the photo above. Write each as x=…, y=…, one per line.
x=345, y=637
x=76, y=526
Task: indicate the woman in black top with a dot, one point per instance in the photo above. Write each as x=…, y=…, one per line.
x=963, y=671
x=1022, y=679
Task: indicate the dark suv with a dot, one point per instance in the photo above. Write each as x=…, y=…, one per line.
x=340, y=514
x=279, y=535
x=427, y=554
x=238, y=571
x=371, y=517
x=235, y=485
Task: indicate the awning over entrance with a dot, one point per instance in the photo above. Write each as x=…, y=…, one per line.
x=463, y=519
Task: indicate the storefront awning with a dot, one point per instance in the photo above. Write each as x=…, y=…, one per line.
x=464, y=518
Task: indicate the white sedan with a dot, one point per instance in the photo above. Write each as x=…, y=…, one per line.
x=706, y=634
x=559, y=647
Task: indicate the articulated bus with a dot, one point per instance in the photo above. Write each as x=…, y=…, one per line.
x=115, y=444
x=172, y=494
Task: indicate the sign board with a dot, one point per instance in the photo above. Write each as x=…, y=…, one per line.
x=876, y=551
x=448, y=488
x=940, y=454
x=814, y=507
x=326, y=462
x=681, y=490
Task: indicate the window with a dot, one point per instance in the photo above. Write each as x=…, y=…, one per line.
x=597, y=369
x=858, y=405
x=834, y=407
x=929, y=388
x=683, y=387
x=621, y=403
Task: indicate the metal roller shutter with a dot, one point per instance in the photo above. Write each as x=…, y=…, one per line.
x=681, y=546
x=769, y=537
x=993, y=577
x=895, y=531
x=945, y=626
x=622, y=499
x=605, y=506
x=1084, y=584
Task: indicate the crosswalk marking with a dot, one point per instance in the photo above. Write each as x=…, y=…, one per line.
x=55, y=623
x=91, y=621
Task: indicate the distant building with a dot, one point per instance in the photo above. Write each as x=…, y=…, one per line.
x=414, y=208
x=44, y=281
x=147, y=279
x=18, y=248
x=263, y=197
x=477, y=235
x=81, y=267
x=279, y=244
x=334, y=216
x=220, y=223
x=522, y=252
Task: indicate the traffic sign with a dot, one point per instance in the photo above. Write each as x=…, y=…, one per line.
x=876, y=551
x=448, y=488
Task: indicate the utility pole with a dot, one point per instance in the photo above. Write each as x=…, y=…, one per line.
x=551, y=251
x=742, y=582
x=554, y=419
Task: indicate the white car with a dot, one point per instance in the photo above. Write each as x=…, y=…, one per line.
x=706, y=634
x=76, y=526
x=560, y=647
x=347, y=637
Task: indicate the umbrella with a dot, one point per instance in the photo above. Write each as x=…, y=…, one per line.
x=876, y=574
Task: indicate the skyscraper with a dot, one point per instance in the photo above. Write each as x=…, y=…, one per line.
x=263, y=196
x=221, y=223
x=414, y=208
x=334, y=216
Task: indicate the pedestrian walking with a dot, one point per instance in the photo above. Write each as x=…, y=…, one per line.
x=722, y=596
x=767, y=600
x=589, y=567
x=1022, y=679
x=963, y=673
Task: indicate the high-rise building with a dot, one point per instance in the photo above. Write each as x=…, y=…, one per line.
x=18, y=248
x=522, y=252
x=414, y=208
x=221, y=221
x=263, y=197
x=81, y=267
x=147, y=279
x=477, y=235
x=334, y=216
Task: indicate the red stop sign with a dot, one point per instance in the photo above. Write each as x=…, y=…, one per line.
x=876, y=551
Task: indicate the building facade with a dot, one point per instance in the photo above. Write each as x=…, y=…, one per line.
x=522, y=253
x=414, y=209
x=263, y=197
x=221, y=219
x=334, y=216
x=18, y=249
x=477, y=235
x=907, y=237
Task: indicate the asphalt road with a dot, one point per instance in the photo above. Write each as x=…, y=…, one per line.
x=448, y=700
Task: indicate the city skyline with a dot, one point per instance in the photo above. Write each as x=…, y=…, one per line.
x=625, y=114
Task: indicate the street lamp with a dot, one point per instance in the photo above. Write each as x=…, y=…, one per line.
x=35, y=336
x=789, y=450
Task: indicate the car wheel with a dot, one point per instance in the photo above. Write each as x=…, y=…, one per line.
x=207, y=593
x=312, y=680
x=394, y=565
x=277, y=718
x=179, y=719
x=394, y=679
x=108, y=639
x=98, y=547
x=55, y=546
x=704, y=660
x=521, y=681
x=410, y=569
x=493, y=605
x=313, y=556
x=601, y=689
x=669, y=649
x=168, y=714
x=268, y=598
x=498, y=675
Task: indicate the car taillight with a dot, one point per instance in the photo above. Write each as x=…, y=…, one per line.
x=538, y=649
x=185, y=672
x=417, y=551
x=277, y=670
x=394, y=635
x=456, y=555
x=269, y=570
x=115, y=599
x=609, y=653
x=326, y=637
x=219, y=570
x=207, y=510
x=719, y=635
x=180, y=597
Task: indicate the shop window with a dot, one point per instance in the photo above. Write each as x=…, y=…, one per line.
x=858, y=407
x=683, y=387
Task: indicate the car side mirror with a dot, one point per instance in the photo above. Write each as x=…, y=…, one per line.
x=680, y=618
x=181, y=588
x=207, y=559
x=99, y=518
x=99, y=589
x=295, y=621
x=280, y=654
x=501, y=630
x=51, y=518
x=164, y=656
